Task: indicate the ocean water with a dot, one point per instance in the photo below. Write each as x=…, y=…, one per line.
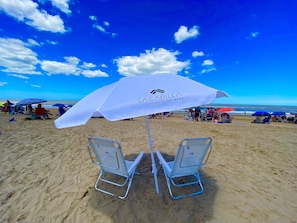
x=250, y=109
x=240, y=109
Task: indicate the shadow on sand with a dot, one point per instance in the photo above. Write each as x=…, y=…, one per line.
x=144, y=205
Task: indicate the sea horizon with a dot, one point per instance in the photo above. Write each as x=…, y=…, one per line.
x=240, y=109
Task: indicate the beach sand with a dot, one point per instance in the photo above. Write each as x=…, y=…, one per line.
x=47, y=174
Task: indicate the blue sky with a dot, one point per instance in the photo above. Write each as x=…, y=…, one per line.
x=65, y=49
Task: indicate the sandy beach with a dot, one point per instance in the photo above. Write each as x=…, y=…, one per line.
x=47, y=174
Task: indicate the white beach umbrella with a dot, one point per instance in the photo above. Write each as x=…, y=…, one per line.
x=140, y=96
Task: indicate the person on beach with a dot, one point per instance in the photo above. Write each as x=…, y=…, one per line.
x=7, y=106
x=61, y=110
x=197, y=113
x=215, y=116
x=41, y=111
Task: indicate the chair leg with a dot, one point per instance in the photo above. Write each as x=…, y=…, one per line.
x=128, y=180
x=170, y=184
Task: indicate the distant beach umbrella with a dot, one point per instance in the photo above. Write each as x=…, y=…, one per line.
x=223, y=110
x=59, y=105
x=261, y=113
x=5, y=102
x=278, y=113
x=140, y=96
x=29, y=101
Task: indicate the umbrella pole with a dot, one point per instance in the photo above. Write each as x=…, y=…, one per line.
x=154, y=167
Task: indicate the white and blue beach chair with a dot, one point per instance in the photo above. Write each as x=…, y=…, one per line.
x=192, y=155
x=109, y=157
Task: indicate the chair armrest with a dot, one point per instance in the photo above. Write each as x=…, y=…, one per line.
x=165, y=165
x=136, y=162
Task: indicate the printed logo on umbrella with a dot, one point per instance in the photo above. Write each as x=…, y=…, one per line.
x=160, y=98
x=157, y=90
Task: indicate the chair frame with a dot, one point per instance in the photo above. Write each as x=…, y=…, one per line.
x=184, y=166
x=123, y=168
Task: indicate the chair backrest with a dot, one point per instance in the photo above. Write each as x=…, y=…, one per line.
x=192, y=155
x=109, y=155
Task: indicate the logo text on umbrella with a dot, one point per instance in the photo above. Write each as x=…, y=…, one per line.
x=157, y=90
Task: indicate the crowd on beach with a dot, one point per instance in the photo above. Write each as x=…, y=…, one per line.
x=39, y=112
x=208, y=115
x=195, y=114
x=276, y=118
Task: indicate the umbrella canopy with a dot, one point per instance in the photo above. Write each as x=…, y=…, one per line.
x=223, y=110
x=140, y=96
x=261, y=113
x=29, y=101
x=5, y=102
x=59, y=105
x=278, y=113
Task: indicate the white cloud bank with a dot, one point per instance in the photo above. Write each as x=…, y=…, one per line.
x=2, y=83
x=208, y=66
x=26, y=62
x=183, y=33
x=27, y=11
x=62, y=5
x=151, y=62
x=197, y=54
x=72, y=66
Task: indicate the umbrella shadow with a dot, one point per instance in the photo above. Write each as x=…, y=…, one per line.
x=144, y=205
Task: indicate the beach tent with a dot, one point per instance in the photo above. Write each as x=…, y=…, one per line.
x=140, y=96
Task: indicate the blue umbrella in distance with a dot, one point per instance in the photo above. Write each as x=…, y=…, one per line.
x=261, y=113
x=29, y=101
x=278, y=113
x=59, y=105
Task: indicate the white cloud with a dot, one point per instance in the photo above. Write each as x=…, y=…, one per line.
x=252, y=35
x=183, y=33
x=22, y=62
x=105, y=23
x=114, y=34
x=71, y=66
x=2, y=83
x=62, y=5
x=208, y=66
x=32, y=42
x=27, y=11
x=100, y=28
x=54, y=67
x=197, y=54
x=88, y=65
x=207, y=63
x=151, y=62
x=18, y=76
x=94, y=73
x=51, y=42
x=207, y=70
x=93, y=17
x=35, y=85
x=72, y=60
